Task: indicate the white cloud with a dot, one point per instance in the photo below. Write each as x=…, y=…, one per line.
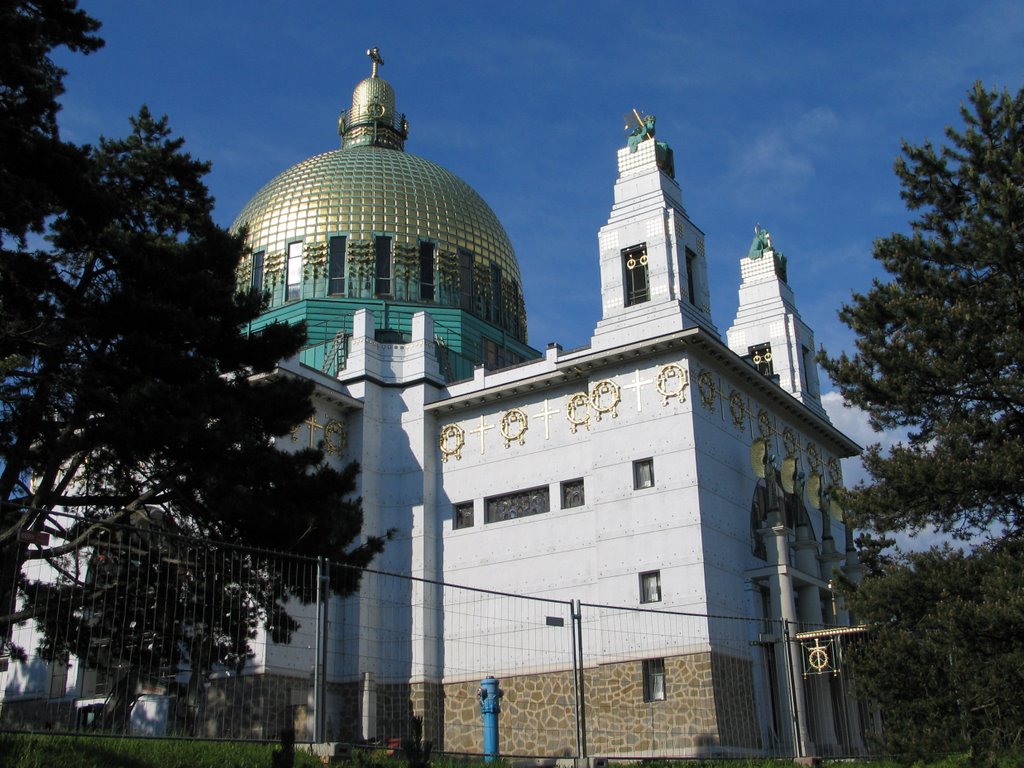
x=783, y=153
x=853, y=422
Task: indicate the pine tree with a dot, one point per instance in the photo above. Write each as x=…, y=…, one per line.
x=940, y=345
x=939, y=350
x=132, y=399
x=34, y=163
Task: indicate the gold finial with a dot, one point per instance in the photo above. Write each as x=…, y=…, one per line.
x=375, y=57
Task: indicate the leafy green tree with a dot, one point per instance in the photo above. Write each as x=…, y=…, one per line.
x=129, y=394
x=939, y=350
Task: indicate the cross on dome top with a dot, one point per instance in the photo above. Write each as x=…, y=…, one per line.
x=376, y=58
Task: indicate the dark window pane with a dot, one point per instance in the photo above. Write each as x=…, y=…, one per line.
x=494, y=310
x=572, y=494
x=257, y=271
x=634, y=270
x=514, y=505
x=463, y=515
x=466, y=288
x=654, y=679
x=426, y=271
x=382, y=246
x=650, y=587
x=643, y=473
x=336, y=266
x=691, y=260
x=761, y=356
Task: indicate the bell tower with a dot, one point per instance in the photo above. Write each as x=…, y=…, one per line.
x=768, y=330
x=654, y=275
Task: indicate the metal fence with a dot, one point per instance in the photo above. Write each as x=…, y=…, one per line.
x=139, y=631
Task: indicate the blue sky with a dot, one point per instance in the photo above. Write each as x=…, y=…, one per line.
x=785, y=114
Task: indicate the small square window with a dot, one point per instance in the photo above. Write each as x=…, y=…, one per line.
x=654, y=679
x=650, y=587
x=463, y=515
x=572, y=494
x=643, y=473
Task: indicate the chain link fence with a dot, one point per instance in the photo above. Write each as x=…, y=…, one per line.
x=136, y=631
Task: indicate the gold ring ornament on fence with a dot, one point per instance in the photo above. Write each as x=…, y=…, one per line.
x=818, y=657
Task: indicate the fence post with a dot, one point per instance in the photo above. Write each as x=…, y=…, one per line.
x=323, y=596
x=581, y=695
x=787, y=644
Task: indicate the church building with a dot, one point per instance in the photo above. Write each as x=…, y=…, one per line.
x=661, y=466
x=664, y=473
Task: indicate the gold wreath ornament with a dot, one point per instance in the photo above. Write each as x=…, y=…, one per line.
x=513, y=426
x=453, y=440
x=672, y=382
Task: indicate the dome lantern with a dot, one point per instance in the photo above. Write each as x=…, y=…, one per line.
x=372, y=119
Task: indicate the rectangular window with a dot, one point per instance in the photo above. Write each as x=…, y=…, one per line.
x=761, y=356
x=691, y=261
x=643, y=474
x=654, y=679
x=58, y=679
x=514, y=505
x=492, y=354
x=294, y=280
x=463, y=515
x=650, y=587
x=336, y=266
x=426, y=271
x=634, y=272
x=517, y=318
x=572, y=493
x=257, y=271
x=494, y=310
x=466, y=292
x=382, y=271
x=810, y=371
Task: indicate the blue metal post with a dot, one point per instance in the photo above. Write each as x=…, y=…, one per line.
x=490, y=705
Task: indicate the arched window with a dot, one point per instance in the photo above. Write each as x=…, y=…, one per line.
x=794, y=513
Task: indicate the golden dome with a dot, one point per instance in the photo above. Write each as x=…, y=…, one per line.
x=409, y=230
x=365, y=191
